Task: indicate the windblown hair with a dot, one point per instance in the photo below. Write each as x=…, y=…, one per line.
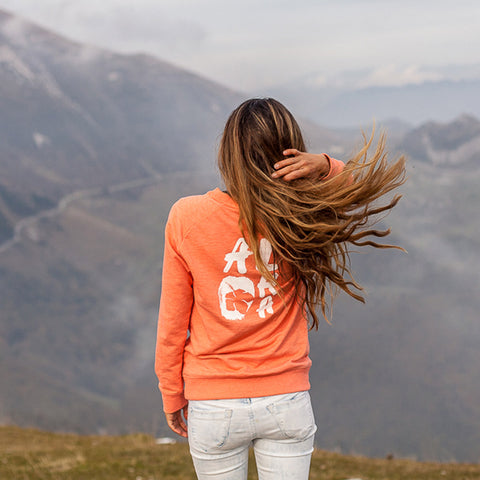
x=312, y=225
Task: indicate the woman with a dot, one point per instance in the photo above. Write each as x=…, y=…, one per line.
x=243, y=270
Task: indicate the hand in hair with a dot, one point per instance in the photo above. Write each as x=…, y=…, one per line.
x=301, y=165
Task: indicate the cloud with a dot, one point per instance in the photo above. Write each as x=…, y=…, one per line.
x=395, y=75
x=143, y=25
x=131, y=27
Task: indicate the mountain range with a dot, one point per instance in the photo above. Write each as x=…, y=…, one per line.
x=414, y=104
x=95, y=147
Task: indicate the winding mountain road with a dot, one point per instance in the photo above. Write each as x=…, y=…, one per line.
x=25, y=223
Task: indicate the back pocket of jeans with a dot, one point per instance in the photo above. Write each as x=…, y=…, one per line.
x=208, y=429
x=293, y=415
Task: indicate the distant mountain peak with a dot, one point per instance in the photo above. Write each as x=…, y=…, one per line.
x=4, y=15
x=449, y=143
x=466, y=120
x=451, y=135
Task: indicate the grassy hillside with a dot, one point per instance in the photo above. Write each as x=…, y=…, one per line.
x=33, y=454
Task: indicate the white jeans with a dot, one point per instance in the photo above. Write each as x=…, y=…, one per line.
x=281, y=429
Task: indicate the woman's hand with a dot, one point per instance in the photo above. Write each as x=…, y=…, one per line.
x=302, y=165
x=176, y=421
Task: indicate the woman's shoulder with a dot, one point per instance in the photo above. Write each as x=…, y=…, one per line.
x=191, y=202
x=199, y=207
x=211, y=200
x=199, y=212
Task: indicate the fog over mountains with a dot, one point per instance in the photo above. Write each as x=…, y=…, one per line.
x=74, y=116
x=96, y=146
x=349, y=106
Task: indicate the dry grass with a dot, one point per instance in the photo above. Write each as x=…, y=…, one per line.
x=27, y=454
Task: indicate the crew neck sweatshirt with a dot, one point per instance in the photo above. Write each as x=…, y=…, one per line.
x=223, y=329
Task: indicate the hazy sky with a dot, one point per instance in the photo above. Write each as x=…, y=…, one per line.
x=251, y=45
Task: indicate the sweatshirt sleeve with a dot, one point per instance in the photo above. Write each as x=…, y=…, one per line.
x=336, y=167
x=174, y=317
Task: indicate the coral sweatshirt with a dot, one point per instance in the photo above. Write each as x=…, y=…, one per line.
x=223, y=330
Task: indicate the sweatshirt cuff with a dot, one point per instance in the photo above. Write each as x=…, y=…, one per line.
x=173, y=403
x=336, y=167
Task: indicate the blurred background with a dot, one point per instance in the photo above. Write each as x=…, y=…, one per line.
x=110, y=111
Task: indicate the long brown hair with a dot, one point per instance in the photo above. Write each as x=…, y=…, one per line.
x=312, y=226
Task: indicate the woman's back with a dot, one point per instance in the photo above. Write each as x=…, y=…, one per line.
x=245, y=339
